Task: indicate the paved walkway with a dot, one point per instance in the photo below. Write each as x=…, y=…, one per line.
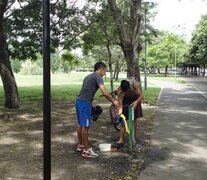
x=199, y=84
x=179, y=144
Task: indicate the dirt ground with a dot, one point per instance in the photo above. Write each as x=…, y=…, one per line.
x=21, y=149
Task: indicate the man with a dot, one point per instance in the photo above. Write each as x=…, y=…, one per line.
x=91, y=84
x=129, y=93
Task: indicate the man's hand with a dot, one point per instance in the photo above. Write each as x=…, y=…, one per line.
x=116, y=103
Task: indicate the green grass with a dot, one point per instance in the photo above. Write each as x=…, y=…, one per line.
x=58, y=92
x=63, y=87
x=169, y=78
x=151, y=95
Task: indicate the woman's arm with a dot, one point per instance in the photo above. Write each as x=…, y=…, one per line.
x=137, y=91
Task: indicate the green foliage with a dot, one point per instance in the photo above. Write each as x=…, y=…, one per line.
x=102, y=32
x=64, y=63
x=23, y=24
x=163, y=50
x=31, y=68
x=55, y=62
x=150, y=9
x=197, y=50
x=68, y=61
x=16, y=65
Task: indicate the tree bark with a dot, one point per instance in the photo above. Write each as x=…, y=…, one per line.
x=129, y=37
x=117, y=70
x=166, y=69
x=7, y=76
x=110, y=68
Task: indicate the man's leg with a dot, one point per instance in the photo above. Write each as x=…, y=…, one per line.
x=79, y=132
x=84, y=135
x=87, y=152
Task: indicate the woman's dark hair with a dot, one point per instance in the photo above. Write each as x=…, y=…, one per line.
x=125, y=85
x=99, y=65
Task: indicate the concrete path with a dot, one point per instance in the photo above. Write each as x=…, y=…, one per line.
x=199, y=84
x=179, y=145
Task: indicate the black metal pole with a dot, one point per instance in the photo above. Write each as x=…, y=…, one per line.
x=46, y=91
x=145, y=49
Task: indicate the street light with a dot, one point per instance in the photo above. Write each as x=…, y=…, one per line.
x=175, y=60
x=179, y=29
x=146, y=3
x=145, y=49
x=146, y=8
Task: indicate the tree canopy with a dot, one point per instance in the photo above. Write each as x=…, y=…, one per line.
x=165, y=48
x=23, y=26
x=197, y=52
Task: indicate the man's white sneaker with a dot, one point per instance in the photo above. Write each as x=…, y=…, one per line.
x=80, y=148
x=89, y=153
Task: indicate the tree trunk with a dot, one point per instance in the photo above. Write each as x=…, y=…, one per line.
x=7, y=76
x=117, y=72
x=110, y=68
x=129, y=37
x=158, y=70
x=117, y=68
x=166, y=68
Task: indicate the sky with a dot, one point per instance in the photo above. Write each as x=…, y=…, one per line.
x=179, y=17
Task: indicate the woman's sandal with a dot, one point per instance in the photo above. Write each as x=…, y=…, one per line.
x=119, y=145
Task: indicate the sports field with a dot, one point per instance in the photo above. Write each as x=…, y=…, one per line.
x=64, y=87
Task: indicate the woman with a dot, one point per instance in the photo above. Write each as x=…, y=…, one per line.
x=129, y=93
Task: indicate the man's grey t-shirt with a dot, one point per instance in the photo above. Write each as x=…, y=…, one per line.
x=90, y=85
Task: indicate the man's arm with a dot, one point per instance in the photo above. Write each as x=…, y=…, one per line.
x=120, y=99
x=107, y=95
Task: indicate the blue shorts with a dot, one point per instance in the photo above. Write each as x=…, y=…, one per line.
x=83, y=110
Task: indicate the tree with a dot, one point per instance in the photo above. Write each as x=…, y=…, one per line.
x=129, y=31
x=68, y=61
x=117, y=58
x=16, y=65
x=128, y=16
x=161, y=53
x=103, y=33
x=21, y=35
x=7, y=76
x=197, y=50
x=55, y=61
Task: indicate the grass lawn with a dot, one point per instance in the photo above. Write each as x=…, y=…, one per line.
x=63, y=87
x=170, y=78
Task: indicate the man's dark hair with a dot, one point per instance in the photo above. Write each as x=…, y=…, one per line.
x=125, y=85
x=99, y=65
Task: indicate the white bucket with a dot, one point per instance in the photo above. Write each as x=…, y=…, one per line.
x=105, y=147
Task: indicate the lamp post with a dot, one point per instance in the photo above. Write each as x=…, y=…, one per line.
x=175, y=48
x=145, y=49
x=46, y=91
x=146, y=5
x=178, y=29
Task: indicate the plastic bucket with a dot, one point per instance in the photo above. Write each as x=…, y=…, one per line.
x=105, y=147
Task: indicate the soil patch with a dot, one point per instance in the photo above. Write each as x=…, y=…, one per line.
x=21, y=150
